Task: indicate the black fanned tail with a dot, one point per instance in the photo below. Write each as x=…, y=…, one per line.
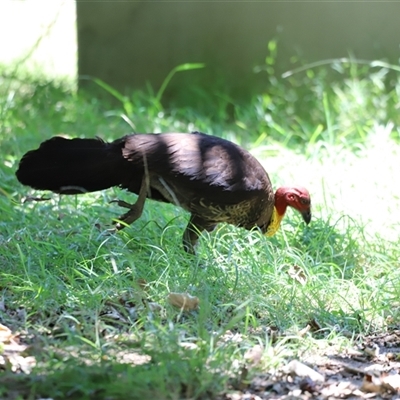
x=73, y=166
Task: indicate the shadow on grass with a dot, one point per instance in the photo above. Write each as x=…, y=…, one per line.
x=176, y=372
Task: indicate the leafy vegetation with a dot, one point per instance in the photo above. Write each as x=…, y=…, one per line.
x=92, y=306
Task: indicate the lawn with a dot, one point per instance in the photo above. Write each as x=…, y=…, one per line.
x=86, y=314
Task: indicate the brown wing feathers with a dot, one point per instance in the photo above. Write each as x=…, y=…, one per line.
x=201, y=162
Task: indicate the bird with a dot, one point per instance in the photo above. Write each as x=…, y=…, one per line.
x=215, y=180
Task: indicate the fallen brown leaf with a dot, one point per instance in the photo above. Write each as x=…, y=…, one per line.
x=254, y=355
x=183, y=301
x=297, y=273
x=373, y=383
x=315, y=326
x=299, y=369
x=142, y=283
x=302, y=332
x=5, y=334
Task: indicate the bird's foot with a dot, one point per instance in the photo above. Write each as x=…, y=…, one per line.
x=128, y=218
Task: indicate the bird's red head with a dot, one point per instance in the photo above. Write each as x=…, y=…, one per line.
x=296, y=197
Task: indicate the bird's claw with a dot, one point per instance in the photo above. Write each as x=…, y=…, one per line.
x=129, y=217
x=126, y=219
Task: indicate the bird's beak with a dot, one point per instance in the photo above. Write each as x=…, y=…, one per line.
x=306, y=216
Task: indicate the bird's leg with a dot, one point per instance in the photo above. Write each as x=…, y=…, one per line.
x=193, y=230
x=135, y=210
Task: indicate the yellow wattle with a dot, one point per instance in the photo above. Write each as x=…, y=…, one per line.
x=274, y=224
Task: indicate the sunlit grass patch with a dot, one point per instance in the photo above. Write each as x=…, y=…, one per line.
x=94, y=304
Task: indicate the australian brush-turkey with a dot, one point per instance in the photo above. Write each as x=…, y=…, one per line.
x=212, y=178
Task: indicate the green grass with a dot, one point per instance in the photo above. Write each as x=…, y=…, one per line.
x=72, y=292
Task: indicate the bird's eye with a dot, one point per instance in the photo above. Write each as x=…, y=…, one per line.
x=304, y=201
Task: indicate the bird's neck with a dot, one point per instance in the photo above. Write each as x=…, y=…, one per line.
x=275, y=223
x=277, y=215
